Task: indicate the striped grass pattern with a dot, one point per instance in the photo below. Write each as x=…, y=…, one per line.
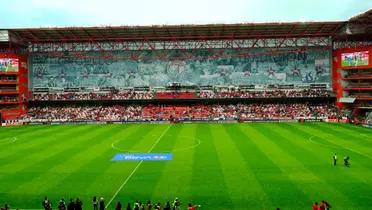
x=219, y=166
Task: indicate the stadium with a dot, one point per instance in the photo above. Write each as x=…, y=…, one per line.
x=209, y=116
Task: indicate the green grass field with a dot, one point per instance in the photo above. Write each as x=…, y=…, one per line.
x=220, y=166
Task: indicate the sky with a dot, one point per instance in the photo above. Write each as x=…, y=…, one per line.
x=62, y=13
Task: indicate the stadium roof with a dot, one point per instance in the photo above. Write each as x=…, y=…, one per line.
x=176, y=32
x=365, y=17
x=186, y=32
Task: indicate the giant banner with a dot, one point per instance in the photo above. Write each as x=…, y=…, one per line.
x=187, y=67
x=9, y=64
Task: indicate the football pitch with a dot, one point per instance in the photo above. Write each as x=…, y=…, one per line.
x=219, y=166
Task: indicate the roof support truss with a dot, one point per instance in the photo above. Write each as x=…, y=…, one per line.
x=121, y=45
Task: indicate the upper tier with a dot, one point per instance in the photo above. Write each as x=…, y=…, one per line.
x=185, y=67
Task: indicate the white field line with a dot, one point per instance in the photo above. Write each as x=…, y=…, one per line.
x=347, y=148
x=11, y=140
x=135, y=169
x=116, y=148
x=369, y=137
x=324, y=145
x=188, y=148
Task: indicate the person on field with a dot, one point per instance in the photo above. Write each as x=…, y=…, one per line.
x=335, y=159
x=6, y=207
x=136, y=206
x=158, y=206
x=128, y=207
x=192, y=207
x=167, y=206
x=71, y=205
x=328, y=206
x=95, y=203
x=315, y=206
x=346, y=161
x=46, y=204
x=78, y=204
x=118, y=206
x=176, y=204
x=322, y=206
x=62, y=204
x=141, y=206
x=149, y=205
x=101, y=204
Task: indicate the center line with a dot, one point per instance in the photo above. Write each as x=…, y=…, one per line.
x=135, y=169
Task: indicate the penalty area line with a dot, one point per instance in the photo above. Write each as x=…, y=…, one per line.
x=136, y=168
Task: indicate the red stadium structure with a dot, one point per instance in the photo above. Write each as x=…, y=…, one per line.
x=352, y=90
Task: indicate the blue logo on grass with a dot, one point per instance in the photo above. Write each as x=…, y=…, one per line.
x=142, y=157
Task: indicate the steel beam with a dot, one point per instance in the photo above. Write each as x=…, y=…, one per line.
x=175, y=44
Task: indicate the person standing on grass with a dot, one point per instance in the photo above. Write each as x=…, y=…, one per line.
x=128, y=207
x=322, y=206
x=118, y=206
x=328, y=206
x=141, y=206
x=95, y=203
x=136, y=206
x=71, y=205
x=62, y=204
x=46, y=204
x=6, y=207
x=78, y=204
x=335, y=159
x=167, y=206
x=346, y=161
x=149, y=205
x=192, y=207
x=158, y=206
x=176, y=204
x=315, y=206
x=101, y=204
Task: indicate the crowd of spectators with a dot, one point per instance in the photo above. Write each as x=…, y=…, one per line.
x=206, y=94
x=8, y=89
x=182, y=112
x=361, y=94
x=8, y=78
x=288, y=111
x=87, y=113
x=365, y=104
x=7, y=99
x=175, y=95
x=277, y=93
x=66, y=96
x=358, y=74
x=359, y=85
